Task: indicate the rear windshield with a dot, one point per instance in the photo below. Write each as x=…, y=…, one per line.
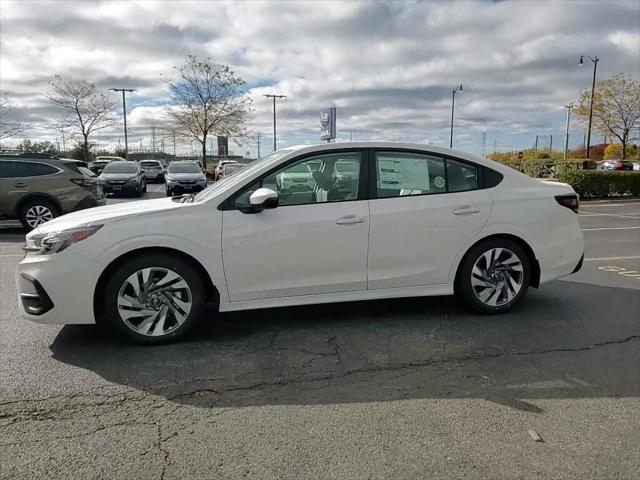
x=120, y=167
x=184, y=168
x=86, y=172
x=150, y=164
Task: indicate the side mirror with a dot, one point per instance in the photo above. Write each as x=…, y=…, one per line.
x=262, y=198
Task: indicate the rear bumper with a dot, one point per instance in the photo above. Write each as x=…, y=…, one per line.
x=43, y=298
x=154, y=176
x=90, y=202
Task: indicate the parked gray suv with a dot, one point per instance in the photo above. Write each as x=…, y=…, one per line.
x=35, y=190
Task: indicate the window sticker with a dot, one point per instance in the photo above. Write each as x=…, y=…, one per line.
x=439, y=182
x=403, y=174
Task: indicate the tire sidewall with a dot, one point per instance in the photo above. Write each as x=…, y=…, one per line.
x=465, y=289
x=112, y=317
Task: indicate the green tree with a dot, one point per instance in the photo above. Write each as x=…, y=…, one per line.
x=45, y=146
x=616, y=107
x=207, y=99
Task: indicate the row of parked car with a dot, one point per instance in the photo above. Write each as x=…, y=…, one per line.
x=35, y=188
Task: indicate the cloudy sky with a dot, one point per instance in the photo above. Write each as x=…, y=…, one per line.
x=389, y=67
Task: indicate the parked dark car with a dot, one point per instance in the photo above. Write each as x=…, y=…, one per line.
x=36, y=190
x=184, y=177
x=123, y=177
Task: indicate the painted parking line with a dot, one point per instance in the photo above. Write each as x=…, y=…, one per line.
x=609, y=228
x=604, y=259
x=617, y=215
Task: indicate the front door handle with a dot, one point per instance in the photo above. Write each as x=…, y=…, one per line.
x=466, y=210
x=350, y=219
x=20, y=185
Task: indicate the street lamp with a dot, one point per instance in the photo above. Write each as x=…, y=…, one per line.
x=566, y=130
x=124, y=111
x=453, y=103
x=270, y=95
x=593, y=89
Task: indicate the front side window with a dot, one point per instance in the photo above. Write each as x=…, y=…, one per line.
x=403, y=174
x=320, y=179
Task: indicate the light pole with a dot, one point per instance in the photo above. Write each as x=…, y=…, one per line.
x=566, y=130
x=124, y=112
x=593, y=89
x=453, y=103
x=270, y=95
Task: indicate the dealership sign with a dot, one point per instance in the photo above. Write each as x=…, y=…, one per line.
x=328, y=123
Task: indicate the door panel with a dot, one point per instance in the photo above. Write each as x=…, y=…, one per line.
x=415, y=239
x=296, y=250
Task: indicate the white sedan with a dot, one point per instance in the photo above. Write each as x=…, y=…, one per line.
x=412, y=220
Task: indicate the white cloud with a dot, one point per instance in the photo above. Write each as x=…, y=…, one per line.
x=388, y=66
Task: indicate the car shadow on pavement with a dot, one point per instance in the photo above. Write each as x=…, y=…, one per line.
x=566, y=340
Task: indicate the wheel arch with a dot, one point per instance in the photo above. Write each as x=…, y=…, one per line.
x=533, y=261
x=29, y=197
x=212, y=292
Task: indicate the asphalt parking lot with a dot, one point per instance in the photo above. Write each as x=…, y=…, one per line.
x=416, y=388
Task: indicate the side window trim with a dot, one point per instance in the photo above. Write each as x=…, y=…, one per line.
x=227, y=203
x=373, y=173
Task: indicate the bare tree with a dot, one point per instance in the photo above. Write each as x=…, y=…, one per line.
x=85, y=109
x=616, y=107
x=7, y=127
x=207, y=99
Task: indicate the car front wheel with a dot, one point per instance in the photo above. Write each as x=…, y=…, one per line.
x=495, y=276
x=154, y=299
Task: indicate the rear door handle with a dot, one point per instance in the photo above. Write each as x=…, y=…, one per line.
x=466, y=210
x=350, y=219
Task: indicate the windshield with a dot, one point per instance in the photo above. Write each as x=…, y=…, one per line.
x=229, y=169
x=184, y=168
x=120, y=167
x=242, y=174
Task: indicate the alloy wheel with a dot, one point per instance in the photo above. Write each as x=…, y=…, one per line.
x=154, y=301
x=497, y=277
x=37, y=215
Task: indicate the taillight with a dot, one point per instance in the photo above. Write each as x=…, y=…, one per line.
x=84, y=182
x=619, y=165
x=569, y=201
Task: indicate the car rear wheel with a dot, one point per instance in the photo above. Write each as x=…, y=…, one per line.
x=36, y=212
x=495, y=276
x=154, y=299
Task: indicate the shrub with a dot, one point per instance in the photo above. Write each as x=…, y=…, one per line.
x=599, y=184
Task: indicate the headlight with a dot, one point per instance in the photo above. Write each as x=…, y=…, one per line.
x=54, y=242
x=171, y=180
x=133, y=180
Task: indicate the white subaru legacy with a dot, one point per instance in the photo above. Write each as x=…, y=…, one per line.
x=408, y=220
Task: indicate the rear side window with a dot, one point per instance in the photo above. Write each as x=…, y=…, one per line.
x=462, y=176
x=25, y=169
x=402, y=174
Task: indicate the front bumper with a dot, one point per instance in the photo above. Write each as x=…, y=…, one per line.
x=178, y=188
x=119, y=189
x=58, y=288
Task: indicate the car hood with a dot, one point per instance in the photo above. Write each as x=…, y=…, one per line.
x=117, y=176
x=186, y=176
x=109, y=213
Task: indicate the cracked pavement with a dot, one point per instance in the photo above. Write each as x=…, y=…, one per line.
x=415, y=388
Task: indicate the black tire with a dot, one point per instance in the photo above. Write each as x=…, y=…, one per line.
x=169, y=193
x=111, y=312
x=144, y=187
x=32, y=207
x=469, y=294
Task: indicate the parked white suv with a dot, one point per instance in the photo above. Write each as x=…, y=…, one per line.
x=400, y=220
